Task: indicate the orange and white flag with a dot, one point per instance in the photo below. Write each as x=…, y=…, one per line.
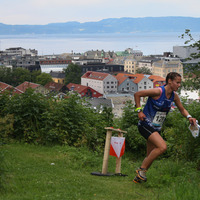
x=117, y=146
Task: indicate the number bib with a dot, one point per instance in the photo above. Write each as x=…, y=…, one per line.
x=159, y=118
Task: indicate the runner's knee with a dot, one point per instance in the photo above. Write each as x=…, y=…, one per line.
x=163, y=148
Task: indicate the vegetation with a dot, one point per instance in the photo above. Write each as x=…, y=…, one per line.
x=143, y=70
x=73, y=74
x=18, y=75
x=63, y=172
x=192, y=71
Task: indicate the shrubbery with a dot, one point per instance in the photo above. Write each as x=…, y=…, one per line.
x=33, y=118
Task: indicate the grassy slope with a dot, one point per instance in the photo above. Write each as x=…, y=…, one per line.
x=63, y=173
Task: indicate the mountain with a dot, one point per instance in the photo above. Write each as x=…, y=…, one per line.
x=110, y=25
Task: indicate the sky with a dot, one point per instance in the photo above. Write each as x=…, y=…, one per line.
x=40, y=12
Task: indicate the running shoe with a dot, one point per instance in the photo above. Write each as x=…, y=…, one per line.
x=141, y=175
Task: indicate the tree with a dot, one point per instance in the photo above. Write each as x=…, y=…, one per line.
x=43, y=78
x=20, y=75
x=144, y=70
x=192, y=71
x=73, y=74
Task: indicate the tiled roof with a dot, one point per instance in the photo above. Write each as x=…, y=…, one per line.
x=155, y=78
x=76, y=87
x=5, y=86
x=24, y=86
x=95, y=75
x=54, y=86
x=139, y=77
x=121, y=77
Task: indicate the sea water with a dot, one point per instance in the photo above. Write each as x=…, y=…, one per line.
x=148, y=43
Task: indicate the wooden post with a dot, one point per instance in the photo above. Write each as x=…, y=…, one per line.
x=118, y=160
x=106, y=152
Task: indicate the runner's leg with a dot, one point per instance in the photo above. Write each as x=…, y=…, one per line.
x=155, y=147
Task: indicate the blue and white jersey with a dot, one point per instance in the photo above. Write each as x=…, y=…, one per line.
x=156, y=110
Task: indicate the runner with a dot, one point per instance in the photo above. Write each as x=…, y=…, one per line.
x=152, y=117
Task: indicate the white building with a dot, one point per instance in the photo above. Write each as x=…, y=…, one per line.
x=102, y=82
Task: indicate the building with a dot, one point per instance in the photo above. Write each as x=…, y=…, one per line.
x=166, y=65
x=37, y=87
x=158, y=81
x=84, y=91
x=130, y=66
x=101, y=82
x=4, y=87
x=58, y=77
x=19, y=51
x=56, y=88
x=184, y=52
x=56, y=65
x=143, y=82
x=125, y=83
x=132, y=83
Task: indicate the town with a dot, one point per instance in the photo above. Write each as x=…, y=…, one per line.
x=108, y=78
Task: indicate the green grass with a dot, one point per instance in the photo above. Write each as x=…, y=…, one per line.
x=63, y=173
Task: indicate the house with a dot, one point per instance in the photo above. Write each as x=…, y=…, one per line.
x=143, y=82
x=101, y=82
x=58, y=77
x=125, y=83
x=84, y=91
x=56, y=88
x=4, y=87
x=37, y=87
x=157, y=80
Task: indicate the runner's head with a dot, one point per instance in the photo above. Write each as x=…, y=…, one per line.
x=174, y=80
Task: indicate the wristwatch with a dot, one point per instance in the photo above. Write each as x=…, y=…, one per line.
x=138, y=109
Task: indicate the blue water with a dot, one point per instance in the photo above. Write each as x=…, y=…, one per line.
x=148, y=43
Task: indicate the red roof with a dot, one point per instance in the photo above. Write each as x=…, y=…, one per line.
x=121, y=77
x=76, y=87
x=54, y=86
x=155, y=78
x=95, y=75
x=24, y=86
x=7, y=87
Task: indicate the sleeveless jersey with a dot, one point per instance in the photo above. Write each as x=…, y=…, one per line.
x=156, y=110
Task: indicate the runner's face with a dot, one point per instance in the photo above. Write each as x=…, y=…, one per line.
x=176, y=83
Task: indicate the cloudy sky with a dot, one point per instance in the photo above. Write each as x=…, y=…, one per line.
x=51, y=11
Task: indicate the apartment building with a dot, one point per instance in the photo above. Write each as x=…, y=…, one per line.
x=130, y=66
x=184, y=51
x=101, y=82
x=166, y=65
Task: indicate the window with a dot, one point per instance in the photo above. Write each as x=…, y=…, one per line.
x=145, y=83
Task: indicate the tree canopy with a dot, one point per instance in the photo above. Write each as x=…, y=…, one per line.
x=73, y=74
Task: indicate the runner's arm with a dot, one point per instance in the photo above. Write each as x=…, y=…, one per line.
x=144, y=93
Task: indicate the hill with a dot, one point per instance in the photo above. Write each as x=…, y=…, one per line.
x=110, y=25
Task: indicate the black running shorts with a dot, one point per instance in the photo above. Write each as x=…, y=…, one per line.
x=146, y=130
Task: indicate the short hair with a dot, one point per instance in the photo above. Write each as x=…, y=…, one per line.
x=172, y=76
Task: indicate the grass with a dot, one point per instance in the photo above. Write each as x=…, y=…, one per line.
x=63, y=173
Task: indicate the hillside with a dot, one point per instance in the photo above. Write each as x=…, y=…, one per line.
x=111, y=25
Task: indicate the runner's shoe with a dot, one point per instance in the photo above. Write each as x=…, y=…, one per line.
x=141, y=174
x=137, y=180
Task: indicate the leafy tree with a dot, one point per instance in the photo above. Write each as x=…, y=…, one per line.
x=144, y=70
x=73, y=74
x=192, y=71
x=20, y=75
x=43, y=78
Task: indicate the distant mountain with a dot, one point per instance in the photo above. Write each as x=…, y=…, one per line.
x=111, y=25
